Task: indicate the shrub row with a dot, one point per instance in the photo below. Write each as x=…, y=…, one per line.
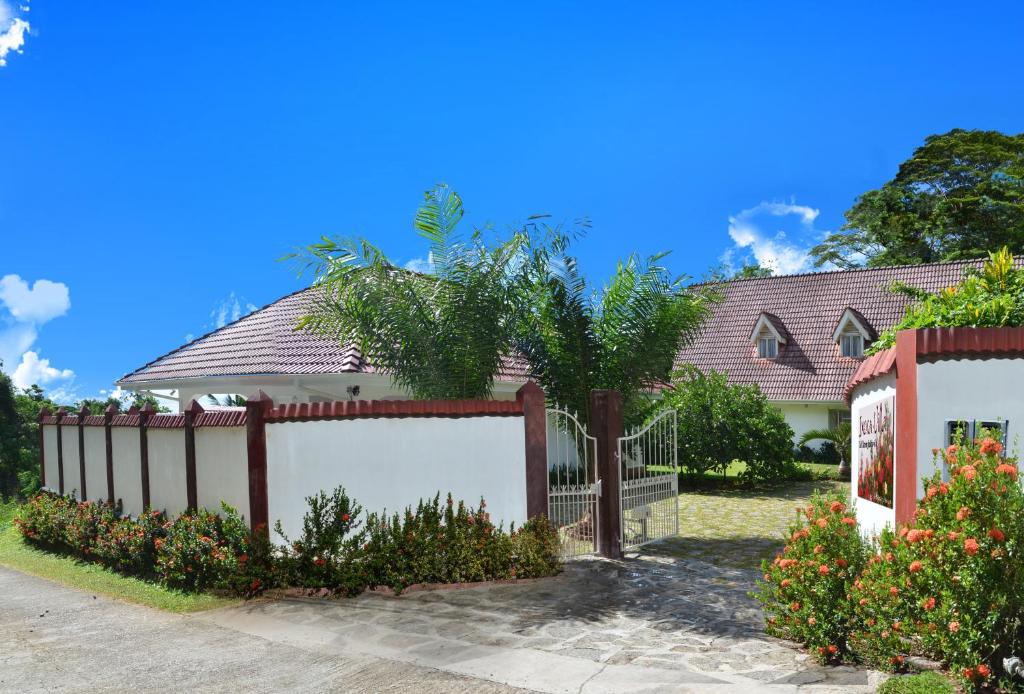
x=339, y=550
x=946, y=586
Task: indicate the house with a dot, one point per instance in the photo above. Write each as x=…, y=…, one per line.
x=801, y=337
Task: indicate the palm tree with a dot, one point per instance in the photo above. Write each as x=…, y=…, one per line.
x=623, y=338
x=840, y=435
x=441, y=334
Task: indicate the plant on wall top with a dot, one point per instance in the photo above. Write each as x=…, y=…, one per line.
x=990, y=297
x=441, y=334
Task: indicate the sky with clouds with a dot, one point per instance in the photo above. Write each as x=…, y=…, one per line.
x=159, y=159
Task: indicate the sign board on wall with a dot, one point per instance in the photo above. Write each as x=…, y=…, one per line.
x=876, y=452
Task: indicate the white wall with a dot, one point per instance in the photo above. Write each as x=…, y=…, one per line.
x=968, y=389
x=391, y=463
x=50, y=457
x=222, y=468
x=804, y=417
x=167, y=487
x=95, y=462
x=72, y=472
x=871, y=517
x=127, y=468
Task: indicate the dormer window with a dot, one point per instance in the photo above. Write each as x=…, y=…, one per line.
x=852, y=334
x=768, y=336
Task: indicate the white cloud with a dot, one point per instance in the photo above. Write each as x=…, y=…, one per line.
x=14, y=342
x=422, y=265
x=43, y=301
x=33, y=370
x=13, y=30
x=772, y=250
x=230, y=310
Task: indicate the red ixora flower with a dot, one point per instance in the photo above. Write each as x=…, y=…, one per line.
x=1007, y=469
x=929, y=604
x=954, y=627
x=996, y=534
x=822, y=522
x=344, y=518
x=837, y=507
x=963, y=513
x=915, y=566
x=969, y=472
x=983, y=671
x=849, y=521
x=823, y=570
x=968, y=673
x=971, y=546
x=990, y=446
x=915, y=535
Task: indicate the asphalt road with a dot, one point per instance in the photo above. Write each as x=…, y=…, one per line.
x=54, y=638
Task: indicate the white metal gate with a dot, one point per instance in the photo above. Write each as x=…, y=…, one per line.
x=573, y=486
x=649, y=482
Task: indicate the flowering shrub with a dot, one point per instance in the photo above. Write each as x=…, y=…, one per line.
x=129, y=545
x=805, y=588
x=328, y=554
x=201, y=549
x=948, y=585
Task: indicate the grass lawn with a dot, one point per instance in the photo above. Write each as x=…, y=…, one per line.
x=737, y=527
x=92, y=578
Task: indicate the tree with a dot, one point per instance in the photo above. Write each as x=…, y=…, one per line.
x=990, y=297
x=959, y=196
x=624, y=338
x=719, y=422
x=840, y=436
x=439, y=335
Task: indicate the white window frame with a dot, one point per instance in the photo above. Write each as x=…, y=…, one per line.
x=767, y=347
x=851, y=339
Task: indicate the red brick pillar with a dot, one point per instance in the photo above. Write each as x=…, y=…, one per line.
x=144, y=415
x=536, y=425
x=194, y=410
x=60, y=450
x=606, y=427
x=257, y=408
x=108, y=416
x=43, y=416
x=83, y=493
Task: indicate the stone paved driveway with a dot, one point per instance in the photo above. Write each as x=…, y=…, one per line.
x=645, y=624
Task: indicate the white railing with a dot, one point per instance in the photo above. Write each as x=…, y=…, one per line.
x=573, y=486
x=649, y=482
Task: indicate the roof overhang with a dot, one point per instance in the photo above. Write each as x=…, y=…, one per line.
x=765, y=322
x=853, y=319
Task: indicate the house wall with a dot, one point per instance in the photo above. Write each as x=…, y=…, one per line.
x=72, y=474
x=871, y=517
x=222, y=472
x=95, y=463
x=391, y=463
x=127, y=468
x=966, y=389
x=167, y=489
x=50, y=459
x=803, y=417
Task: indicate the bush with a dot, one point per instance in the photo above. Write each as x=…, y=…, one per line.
x=201, y=549
x=805, y=588
x=824, y=454
x=924, y=683
x=128, y=545
x=719, y=423
x=948, y=585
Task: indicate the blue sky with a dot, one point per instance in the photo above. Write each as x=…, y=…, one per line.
x=158, y=158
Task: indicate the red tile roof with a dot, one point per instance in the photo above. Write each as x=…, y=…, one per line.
x=265, y=342
x=809, y=306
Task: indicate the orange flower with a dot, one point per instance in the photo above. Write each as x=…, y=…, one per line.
x=914, y=535
x=822, y=522
x=996, y=534
x=818, y=549
x=863, y=601
x=929, y=604
x=1007, y=469
x=894, y=590
x=786, y=563
x=812, y=621
x=837, y=507
x=833, y=649
x=963, y=513
x=954, y=627
x=969, y=472
x=849, y=521
x=823, y=570
x=915, y=566
x=990, y=446
x=794, y=607
x=841, y=563
x=953, y=535
x=968, y=673
x=971, y=546
x=785, y=583
x=983, y=671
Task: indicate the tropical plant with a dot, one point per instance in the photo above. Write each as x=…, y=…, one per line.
x=441, y=334
x=839, y=436
x=625, y=337
x=990, y=297
x=959, y=196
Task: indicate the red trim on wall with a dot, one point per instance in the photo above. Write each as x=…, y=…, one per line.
x=257, y=408
x=950, y=343
x=874, y=366
x=191, y=490
x=531, y=399
x=60, y=450
x=108, y=436
x=221, y=418
x=906, y=426
x=82, y=493
x=143, y=418
x=606, y=427
x=44, y=415
x=351, y=409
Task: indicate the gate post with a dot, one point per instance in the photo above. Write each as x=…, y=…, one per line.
x=606, y=427
x=536, y=425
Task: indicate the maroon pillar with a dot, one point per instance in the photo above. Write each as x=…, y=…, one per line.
x=606, y=427
x=43, y=414
x=144, y=415
x=82, y=414
x=192, y=491
x=535, y=423
x=60, y=451
x=108, y=416
x=257, y=408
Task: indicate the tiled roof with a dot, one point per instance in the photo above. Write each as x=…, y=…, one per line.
x=809, y=306
x=266, y=342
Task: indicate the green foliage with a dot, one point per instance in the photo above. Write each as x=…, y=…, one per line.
x=838, y=437
x=947, y=585
x=959, y=196
x=922, y=683
x=624, y=338
x=201, y=549
x=440, y=335
x=719, y=422
x=990, y=297
x=805, y=587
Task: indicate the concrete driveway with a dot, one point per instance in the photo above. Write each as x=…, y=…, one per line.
x=648, y=624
